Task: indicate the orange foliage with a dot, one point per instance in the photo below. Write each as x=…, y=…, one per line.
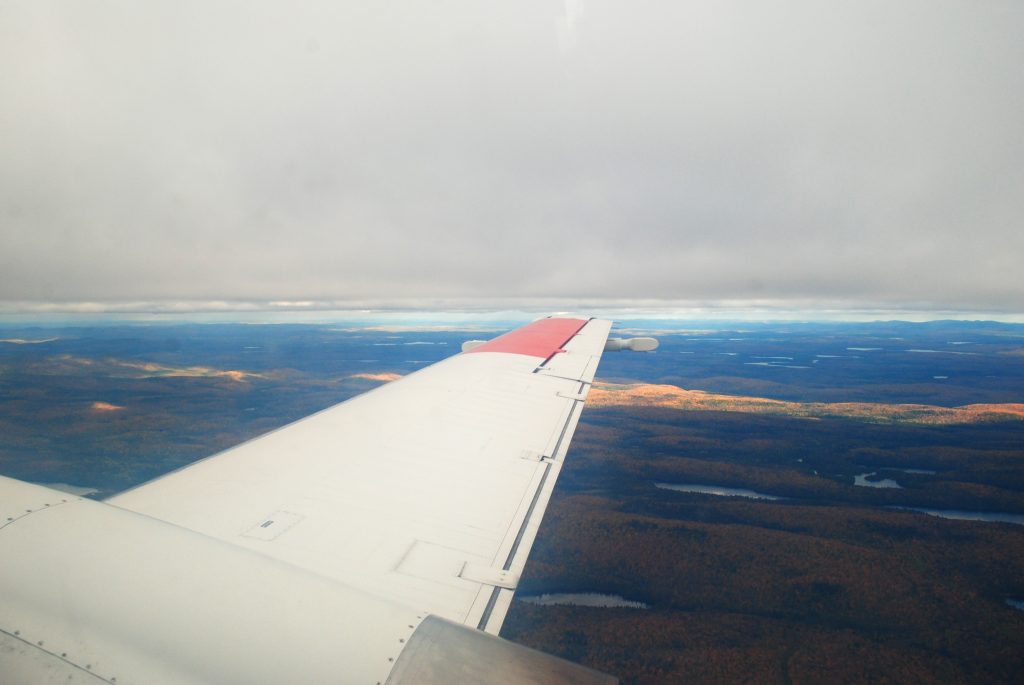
x=671, y=396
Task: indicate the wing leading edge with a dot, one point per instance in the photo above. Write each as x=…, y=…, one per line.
x=427, y=491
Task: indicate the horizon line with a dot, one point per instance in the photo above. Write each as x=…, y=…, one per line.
x=299, y=311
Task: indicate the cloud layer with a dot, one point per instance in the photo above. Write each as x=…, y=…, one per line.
x=839, y=152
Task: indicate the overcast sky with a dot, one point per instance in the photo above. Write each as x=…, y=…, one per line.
x=865, y=153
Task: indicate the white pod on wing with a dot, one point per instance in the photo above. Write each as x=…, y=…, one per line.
x=634, y=344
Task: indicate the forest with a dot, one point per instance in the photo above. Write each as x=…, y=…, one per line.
x=828, y=583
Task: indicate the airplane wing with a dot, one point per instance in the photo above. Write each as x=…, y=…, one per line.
x=428, y=490
x=379, y=540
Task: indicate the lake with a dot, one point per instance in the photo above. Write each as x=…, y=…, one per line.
x=716, y=490
x=582, y=599
x=862, y=481
x=993, y=516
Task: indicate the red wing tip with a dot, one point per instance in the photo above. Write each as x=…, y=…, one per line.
x=542, y=338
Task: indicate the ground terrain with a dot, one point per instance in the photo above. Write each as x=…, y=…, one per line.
x=831, y=581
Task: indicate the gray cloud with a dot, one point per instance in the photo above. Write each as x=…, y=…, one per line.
x=834, y=152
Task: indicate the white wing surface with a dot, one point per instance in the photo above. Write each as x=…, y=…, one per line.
x=427, y=491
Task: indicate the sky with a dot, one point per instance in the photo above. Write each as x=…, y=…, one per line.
x=180, y=155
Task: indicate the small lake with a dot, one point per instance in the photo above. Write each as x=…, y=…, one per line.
x=1016, y=603
x=582, y=599
x=716, y=490
x=862, y=481
x=961, y=515
x=994, y=516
